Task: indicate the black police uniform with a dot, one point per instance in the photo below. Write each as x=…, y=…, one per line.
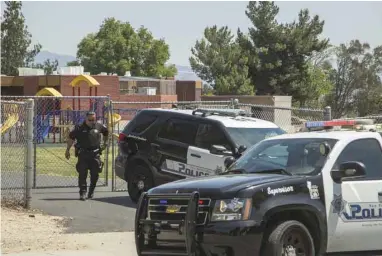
x=88, y=147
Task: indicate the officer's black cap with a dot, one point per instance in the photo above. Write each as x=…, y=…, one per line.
x=90, y=113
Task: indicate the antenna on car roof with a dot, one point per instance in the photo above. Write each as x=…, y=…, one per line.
x=220, y=112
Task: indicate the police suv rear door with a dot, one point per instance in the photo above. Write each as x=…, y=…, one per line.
x=354, y=207
x=172, y=144
x=201, y=154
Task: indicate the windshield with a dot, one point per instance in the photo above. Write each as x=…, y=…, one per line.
x=250, y=136
x=295, y=156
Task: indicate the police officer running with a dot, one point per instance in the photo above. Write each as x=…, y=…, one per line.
x=88, y=150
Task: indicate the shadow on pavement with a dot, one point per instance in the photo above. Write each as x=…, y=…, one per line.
x=117, y=200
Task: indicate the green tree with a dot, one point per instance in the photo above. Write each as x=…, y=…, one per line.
x=48, y=66
x=357, y=80
x=117, y=47
x=314, y=87
x=279, y=51
x=169, y=71
x=317, y=83
x=15, y=40
x=218, y=60
x=73, y=63
x=207, y=90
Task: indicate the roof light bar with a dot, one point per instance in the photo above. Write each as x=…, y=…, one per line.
x=222, y=112
x=316, y=124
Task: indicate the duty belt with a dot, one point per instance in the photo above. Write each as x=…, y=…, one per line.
x=90, y=150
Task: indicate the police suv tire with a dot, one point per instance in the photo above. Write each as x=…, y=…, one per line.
x=275, y=241
x=143, y=173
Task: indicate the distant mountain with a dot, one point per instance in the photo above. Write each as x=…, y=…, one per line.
x=62, y=58
x=184, y=72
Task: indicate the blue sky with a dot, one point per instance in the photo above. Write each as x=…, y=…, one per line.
x=59, y=26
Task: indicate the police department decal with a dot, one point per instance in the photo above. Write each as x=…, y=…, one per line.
x=185, y=170
x=338, y=204
x=282, y=190
x=356, y=212
x=313, y=190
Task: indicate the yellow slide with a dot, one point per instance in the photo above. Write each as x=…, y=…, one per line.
x=116, y=119
x=11, y=121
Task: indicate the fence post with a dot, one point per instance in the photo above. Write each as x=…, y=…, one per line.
x=109, y=114
x=234, y=103
x=35, y=144
x=112, y=148
x=29, y=160
x=327, y=113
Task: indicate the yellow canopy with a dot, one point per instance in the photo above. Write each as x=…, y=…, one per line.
x=48, y=91
x=88, y=79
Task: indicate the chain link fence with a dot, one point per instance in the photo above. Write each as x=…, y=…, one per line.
x=289, y=119
x=16, y=152
x=54, y=117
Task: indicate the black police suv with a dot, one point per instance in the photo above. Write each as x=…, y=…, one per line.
x=159, y=146
x=303, y=194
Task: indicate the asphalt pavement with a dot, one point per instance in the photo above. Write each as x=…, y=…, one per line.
x=106, y=212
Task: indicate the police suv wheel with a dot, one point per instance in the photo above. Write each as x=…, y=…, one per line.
x=139, y=180
x=290, y=238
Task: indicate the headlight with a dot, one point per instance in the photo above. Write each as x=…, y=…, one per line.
x=232, y=209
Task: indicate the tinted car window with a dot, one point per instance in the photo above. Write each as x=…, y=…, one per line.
x=277, y=154
x=142, y=122
x=367, y=151
x=250, y=136
x=297, y=156
x=209, y=135
x=179, y=130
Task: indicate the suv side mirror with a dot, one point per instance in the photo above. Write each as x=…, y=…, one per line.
x=229, y=161
x=220, y=150
x=349, y=170
x=242, y=148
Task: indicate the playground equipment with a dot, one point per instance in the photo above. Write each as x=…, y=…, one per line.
x=12, y=119
x=116, y=118
x=51, y=118
x=113, y=120
x=76, y=83
x=49, y=91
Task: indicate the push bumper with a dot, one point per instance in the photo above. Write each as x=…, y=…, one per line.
x=184, y=237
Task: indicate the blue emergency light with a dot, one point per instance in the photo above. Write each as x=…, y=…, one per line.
x=316, y=124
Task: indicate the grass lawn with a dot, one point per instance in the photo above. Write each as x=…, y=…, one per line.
x=50, y=159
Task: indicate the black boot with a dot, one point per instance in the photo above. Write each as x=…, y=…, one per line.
x=82, y=197
x=91, y=193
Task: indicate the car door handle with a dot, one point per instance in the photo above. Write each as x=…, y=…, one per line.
x=195, y=155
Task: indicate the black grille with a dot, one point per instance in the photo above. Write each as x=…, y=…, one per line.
x=178, y=207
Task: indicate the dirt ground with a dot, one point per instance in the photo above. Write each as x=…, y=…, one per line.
x=23, y=231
